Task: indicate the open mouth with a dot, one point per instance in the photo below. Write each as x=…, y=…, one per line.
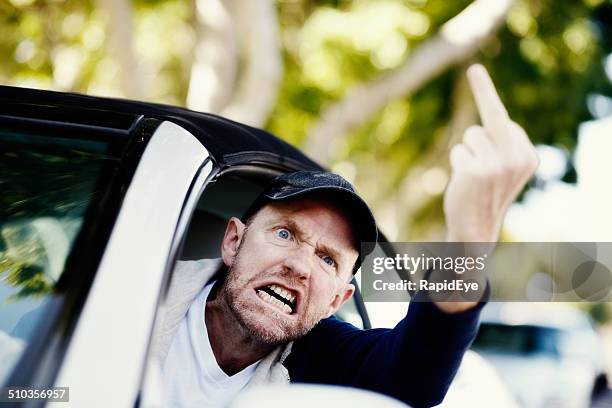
x=283, y=299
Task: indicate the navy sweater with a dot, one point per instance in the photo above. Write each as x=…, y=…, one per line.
x=414, y=362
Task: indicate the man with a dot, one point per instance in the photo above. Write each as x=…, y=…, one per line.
x=262, y=314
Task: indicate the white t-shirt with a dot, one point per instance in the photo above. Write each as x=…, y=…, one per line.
x=191, y=375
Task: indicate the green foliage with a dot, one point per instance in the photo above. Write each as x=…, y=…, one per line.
x=546, y=63
x=546, y=59
x=599, y=311
x=21, y=265
x=34, y=33
x=43, y=185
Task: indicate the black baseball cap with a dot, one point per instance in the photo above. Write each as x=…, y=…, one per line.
x=302, y=183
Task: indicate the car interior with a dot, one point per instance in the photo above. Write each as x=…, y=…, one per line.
x=230, y=194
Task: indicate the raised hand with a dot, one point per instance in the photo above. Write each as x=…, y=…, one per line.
x=489, y=168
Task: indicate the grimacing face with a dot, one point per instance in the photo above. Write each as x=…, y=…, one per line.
x=289, y=269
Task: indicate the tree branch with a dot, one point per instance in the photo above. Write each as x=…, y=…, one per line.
x=215, y=64
x=263, y=65
x=120, y=35
x=457, y=40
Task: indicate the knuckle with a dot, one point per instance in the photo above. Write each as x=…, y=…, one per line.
x=456, y=149
x=473, y=134
x=499, y=170
x=454, y=154
x=472, y=171
x=528, y=162
x=468, y=138
x=518, y=164
x=473, y=129
x=484, y=173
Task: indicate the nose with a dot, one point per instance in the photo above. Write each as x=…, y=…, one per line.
x=299, y=262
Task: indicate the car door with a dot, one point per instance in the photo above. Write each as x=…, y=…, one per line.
x=62, y=179
x=94, y=329
x=109, y=345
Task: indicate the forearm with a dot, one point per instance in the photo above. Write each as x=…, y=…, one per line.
x=432, y=343
x=414, y=362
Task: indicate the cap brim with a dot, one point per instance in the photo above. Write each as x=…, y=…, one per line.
x=357, y=208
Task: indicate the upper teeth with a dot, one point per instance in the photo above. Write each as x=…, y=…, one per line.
x=283, y=293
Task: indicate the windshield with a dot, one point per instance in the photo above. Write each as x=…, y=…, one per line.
x=46, y=187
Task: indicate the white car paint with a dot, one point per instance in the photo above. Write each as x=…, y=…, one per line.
x=477, y=385
x=106, y=356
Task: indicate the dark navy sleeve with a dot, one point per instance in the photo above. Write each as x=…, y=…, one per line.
x=414, y=362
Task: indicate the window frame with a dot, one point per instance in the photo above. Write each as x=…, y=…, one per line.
x=40, y=361
x=137, y=249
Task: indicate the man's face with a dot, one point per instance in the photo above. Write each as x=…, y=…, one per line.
x=290, y=269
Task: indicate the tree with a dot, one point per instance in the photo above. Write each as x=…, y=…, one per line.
x=457, y=40
x=229, y=33
x=372, y=88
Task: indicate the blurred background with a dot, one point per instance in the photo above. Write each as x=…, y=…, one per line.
x=375, y=90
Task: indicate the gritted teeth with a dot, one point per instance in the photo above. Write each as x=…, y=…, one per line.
x=274, y=301
x=285, y=299
x=285, y=294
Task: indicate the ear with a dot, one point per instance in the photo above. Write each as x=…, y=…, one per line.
x=340, y=298
x=234, y=233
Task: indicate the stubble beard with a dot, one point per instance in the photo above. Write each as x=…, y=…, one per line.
x=247, y=316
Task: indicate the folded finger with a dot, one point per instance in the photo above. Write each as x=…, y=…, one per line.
x=479, y=143
x=460, y=157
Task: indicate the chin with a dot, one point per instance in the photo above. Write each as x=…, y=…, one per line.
x=266, y=325
x=266, y=328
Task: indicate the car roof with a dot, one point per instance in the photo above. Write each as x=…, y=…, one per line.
x=227, y=141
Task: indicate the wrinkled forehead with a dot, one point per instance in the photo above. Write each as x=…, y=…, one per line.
x=314, y=216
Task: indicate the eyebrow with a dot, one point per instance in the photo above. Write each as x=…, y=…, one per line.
x=325, y=248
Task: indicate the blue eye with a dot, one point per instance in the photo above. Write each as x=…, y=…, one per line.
x=283, y=233
x=329, y=260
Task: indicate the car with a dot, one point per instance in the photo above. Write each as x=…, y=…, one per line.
x=477, y=385
x=100, y=198
x=548, y=354
x=311, y=395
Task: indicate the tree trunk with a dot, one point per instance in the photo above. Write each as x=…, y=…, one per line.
x=120, y=34
x=232, y=32
x=263, y=65
x=215, y=64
